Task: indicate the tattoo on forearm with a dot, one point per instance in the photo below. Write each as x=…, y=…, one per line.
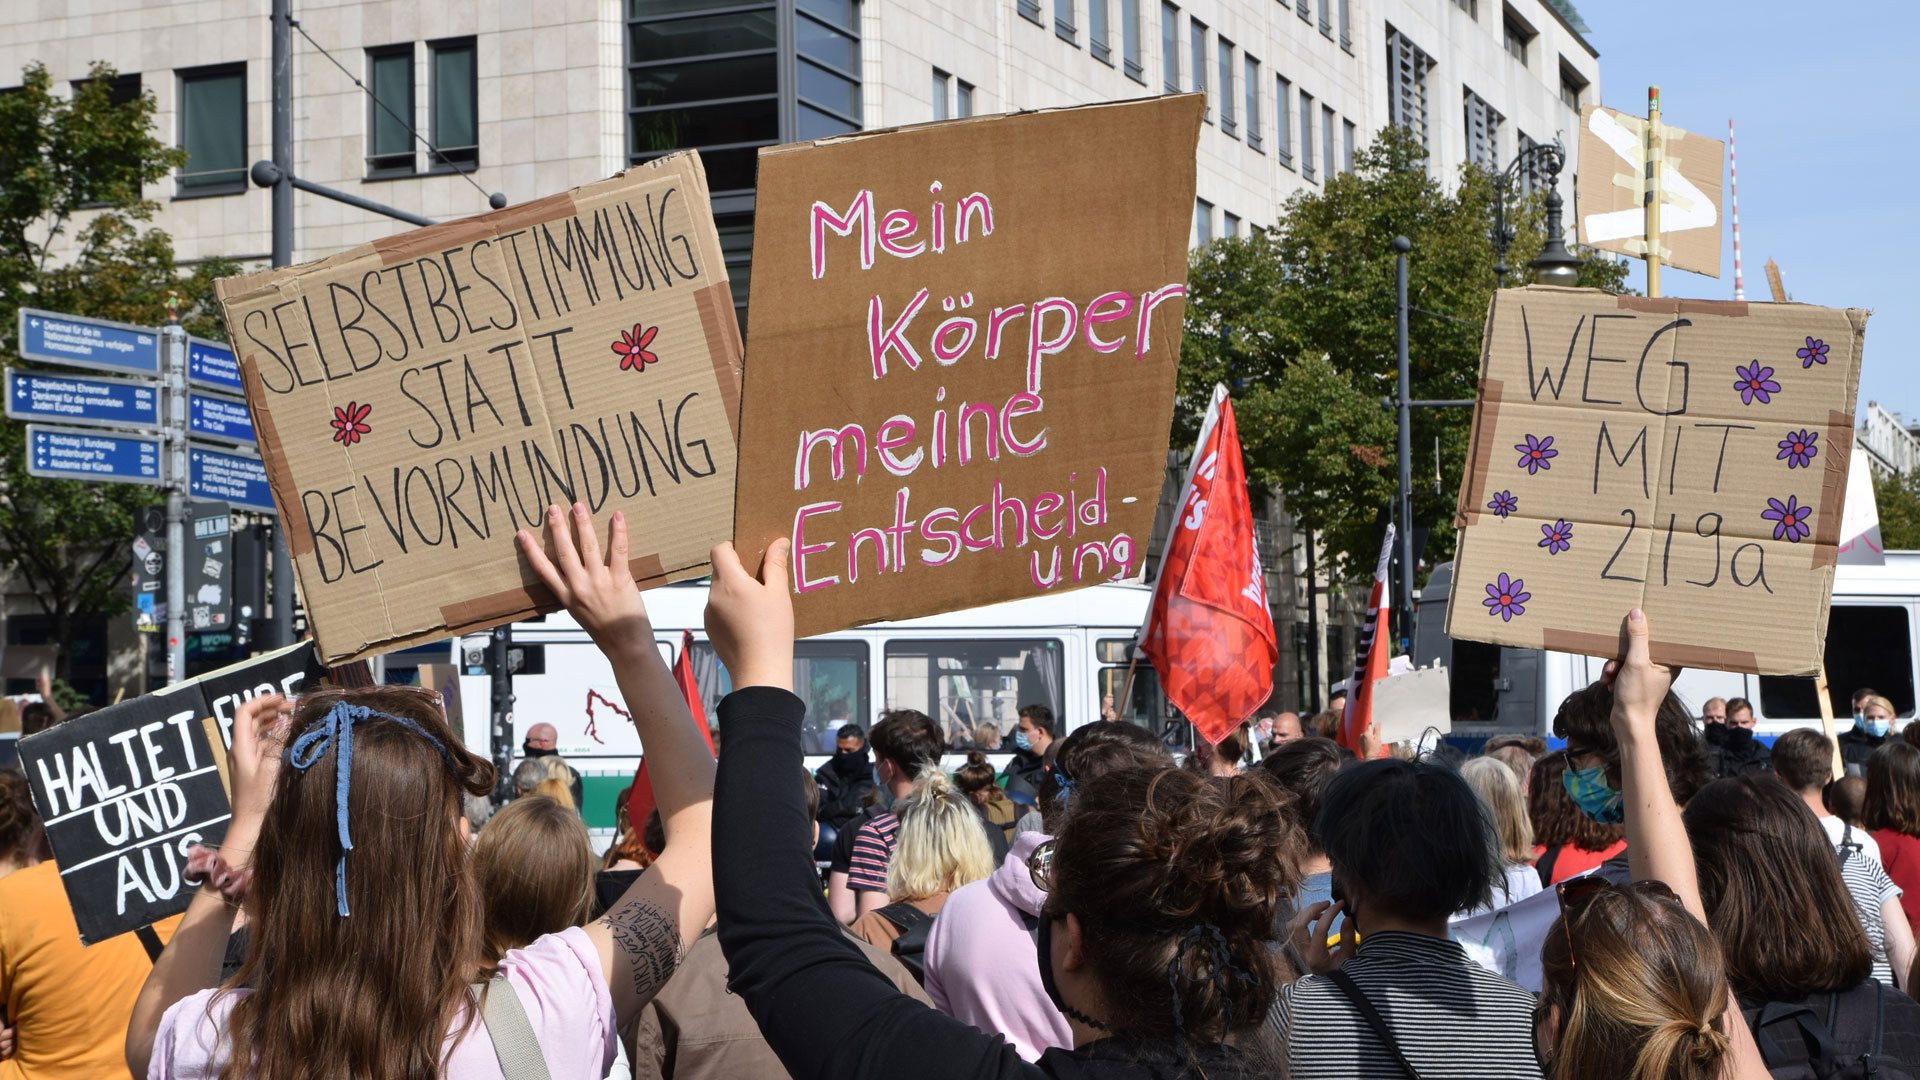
x=649, y=941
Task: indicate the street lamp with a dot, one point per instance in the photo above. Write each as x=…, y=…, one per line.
x=1556, y=265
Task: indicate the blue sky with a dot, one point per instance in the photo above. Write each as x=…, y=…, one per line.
x=1822, y=99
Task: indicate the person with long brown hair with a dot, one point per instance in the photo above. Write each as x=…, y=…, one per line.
x=366, y=928
x=1566, y=842
x=1161, y=889
x=977, y=781
x=1892, y=814
x=534, y=866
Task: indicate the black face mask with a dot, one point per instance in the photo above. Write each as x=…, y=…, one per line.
x=1738, y=737
x=1043, y=941
x=528, y=751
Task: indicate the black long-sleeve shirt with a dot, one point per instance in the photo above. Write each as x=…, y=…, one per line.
x=821, y=1006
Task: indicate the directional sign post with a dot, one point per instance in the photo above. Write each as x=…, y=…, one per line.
x=89, y=343
x=212, y=365
x=216, y=416
x=79, y=454
x=75, y=399
x=230, y=477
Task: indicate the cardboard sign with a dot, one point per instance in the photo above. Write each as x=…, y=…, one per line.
x=420, y=398
x=1612, y=188
x=125, y=790
x=1685, y=456
x=965, y=337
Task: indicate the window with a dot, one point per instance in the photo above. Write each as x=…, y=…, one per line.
x=1170, y=48
x=1063, y=21
x=1471, y=7
x=1407, y=69
x=1228, y=121
x=1346, y=25
x=1866, y=646
x=1029, y=10
x=1148, y=707
x=964, y=100
x=1202, y=222
x=213, y=130
x=942, y=95
x=1529, y=172
x=963, y=684
x=1326, y=141
x=827, y=71
x=1283, y=120
x=1305, y=8
x=1306, y=134
x=1346, y=145
x=1483, y=133
x=456, y=119
x=1516, y=36
x=1253, y=102
x=122, y=90
x=1573, y=87
x=1229, y=224
x=830, y=676
x=1326, y=18
x=1097, y=31
x=1130, y=41
x=390, y=111
x=1197, y=32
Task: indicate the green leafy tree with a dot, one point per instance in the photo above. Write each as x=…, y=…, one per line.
x=1319, y=285
x=72, y=239
x=1898, y=499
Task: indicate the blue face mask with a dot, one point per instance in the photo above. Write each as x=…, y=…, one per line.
x=1593, y=795
x=1020, y=740
x=1875, y=728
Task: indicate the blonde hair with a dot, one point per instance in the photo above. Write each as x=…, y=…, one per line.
x=941, y=844
x=1885, y=705
x=555, y=789
x=1492, y=780
x=534, y=866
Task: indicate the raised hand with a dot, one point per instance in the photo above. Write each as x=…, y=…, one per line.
x=259, y=742
x=1639, y=685
x=597, y=590
x=750, y=621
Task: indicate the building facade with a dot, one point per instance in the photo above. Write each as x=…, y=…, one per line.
x=531, y=98
x=1889, y=440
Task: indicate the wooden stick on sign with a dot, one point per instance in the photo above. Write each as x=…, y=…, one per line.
x=1826, y=720
x=1656, y=152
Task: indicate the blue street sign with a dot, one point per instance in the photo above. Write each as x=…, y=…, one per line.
x=218, y=417
x=89, y=343
x=74, y=399
x=78, y=454
x=212, y=365
x=242, y=481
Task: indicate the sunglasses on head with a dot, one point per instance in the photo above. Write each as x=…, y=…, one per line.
x=1040, y=866
x=1576, y=893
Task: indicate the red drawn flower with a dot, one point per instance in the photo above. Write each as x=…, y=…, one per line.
x=351, y=422
x=632, y=347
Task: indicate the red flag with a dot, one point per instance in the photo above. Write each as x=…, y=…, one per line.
x=1209, y=633
x=640, y=801
x=1370, y=661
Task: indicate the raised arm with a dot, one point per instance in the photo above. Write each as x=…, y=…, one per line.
x=1657, y=843
x=191, y=961
x=643, y=935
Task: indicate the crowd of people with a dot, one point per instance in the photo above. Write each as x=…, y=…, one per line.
x=1276, y=905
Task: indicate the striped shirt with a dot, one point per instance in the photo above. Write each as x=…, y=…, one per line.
x=1451, y=1017
x=1867, y=882
x=872, y=852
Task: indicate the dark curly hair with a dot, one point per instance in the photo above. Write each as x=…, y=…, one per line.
x=1584, y=720
x=1154, y=863
x=1303, y=767
x=1556, y=820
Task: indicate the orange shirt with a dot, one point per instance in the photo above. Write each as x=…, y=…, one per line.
x=70, y=1004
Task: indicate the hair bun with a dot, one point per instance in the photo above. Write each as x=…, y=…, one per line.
x=975, y=757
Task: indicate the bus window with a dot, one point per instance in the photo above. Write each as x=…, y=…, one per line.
x=1473, y=682
x=830, y=676
x=1866, y=647
x=1148, y=706
x=964, y=684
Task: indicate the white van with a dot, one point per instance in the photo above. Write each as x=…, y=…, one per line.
x=964, y=669
x=1870, y=636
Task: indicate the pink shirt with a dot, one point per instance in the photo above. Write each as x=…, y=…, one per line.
x=557, y=977
x=982, y=964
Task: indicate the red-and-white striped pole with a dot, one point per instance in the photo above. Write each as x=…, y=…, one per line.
x=1733, y=181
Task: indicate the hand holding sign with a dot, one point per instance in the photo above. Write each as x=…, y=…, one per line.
x=751, y=621
x=597, y=591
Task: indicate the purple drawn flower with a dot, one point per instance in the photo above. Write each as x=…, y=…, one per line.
x=1755, y=382
x=1505, y=597
x=1503, y=504
x=1556, y=537
x=1814, y=353
x=1798, y=449
x=1536, y=454
x=1789, y=518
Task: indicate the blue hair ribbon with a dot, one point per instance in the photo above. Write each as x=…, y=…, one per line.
x=337, y=727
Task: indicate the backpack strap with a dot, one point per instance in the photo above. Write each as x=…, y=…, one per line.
x=150, y=941
x=903, y=915
x=1373, y=1018
x=1774, y=1012
x=514, y=1043
x=1545, y=865
x=1848, y=845
x=1871, y=1061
